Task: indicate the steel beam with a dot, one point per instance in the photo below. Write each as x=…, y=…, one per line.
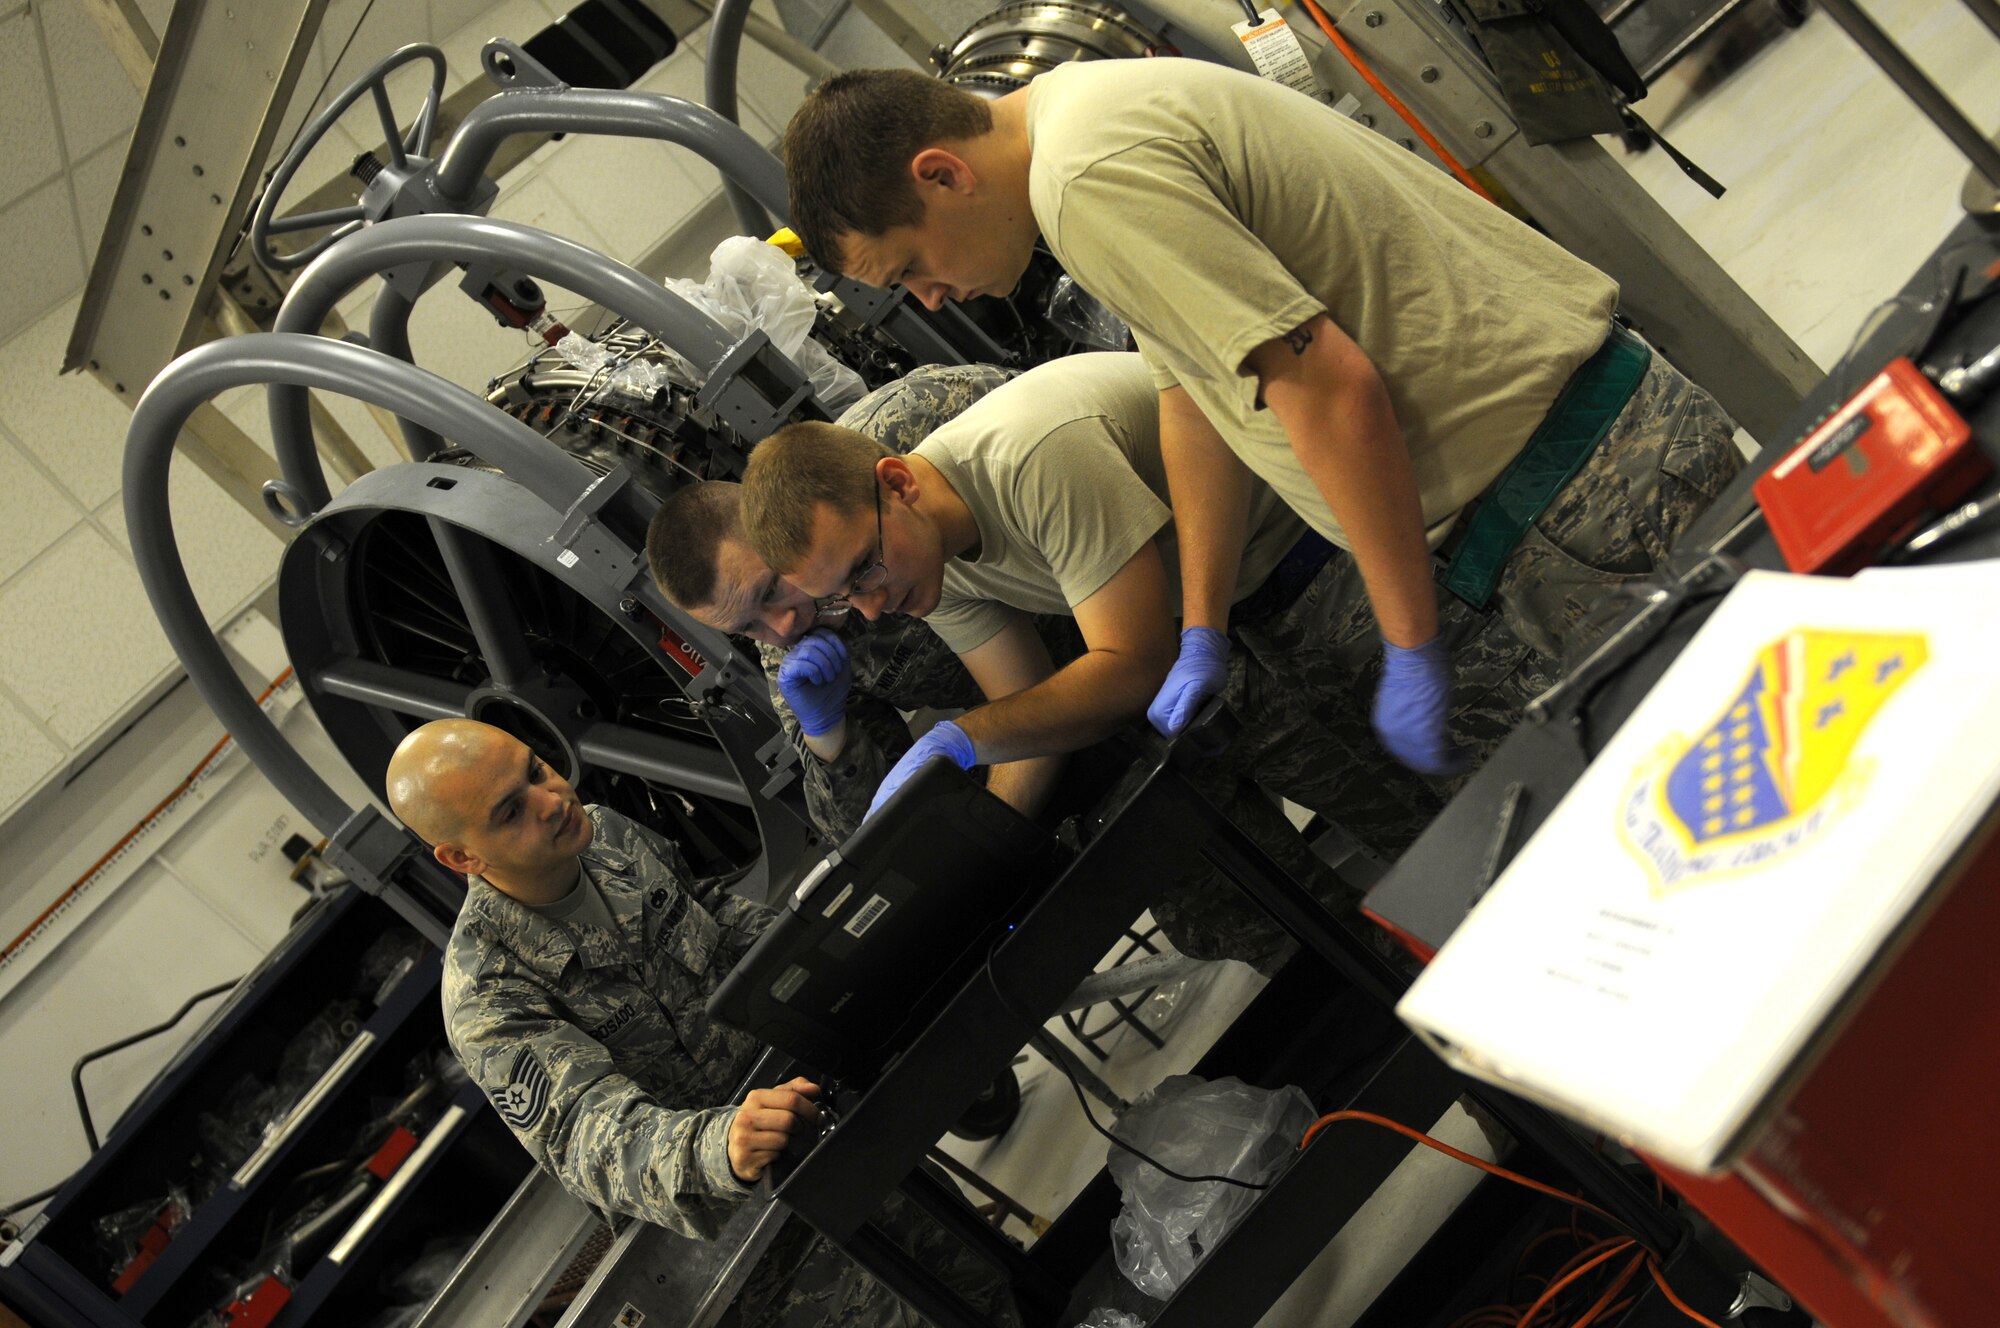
x=218, y=92
x=125, y=29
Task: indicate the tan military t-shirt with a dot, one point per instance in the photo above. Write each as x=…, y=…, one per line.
x=1213, y=211
x=1061, y=470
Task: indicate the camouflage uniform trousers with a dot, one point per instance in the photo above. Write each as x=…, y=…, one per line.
x=821, y=1286
x=1306, y=677
x=1207, y=916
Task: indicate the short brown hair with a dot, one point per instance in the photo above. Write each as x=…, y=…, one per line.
x=684, y=536
x=848, y=149
x=795, y=470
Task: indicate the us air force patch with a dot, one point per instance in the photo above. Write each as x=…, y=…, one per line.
x=526, y=1096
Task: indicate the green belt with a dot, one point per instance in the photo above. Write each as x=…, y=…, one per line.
x=1568, y=434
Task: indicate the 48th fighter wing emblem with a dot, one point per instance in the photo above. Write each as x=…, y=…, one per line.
x=1775, y=766
x=526, y=1096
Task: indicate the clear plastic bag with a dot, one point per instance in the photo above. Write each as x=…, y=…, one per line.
x=1110, y=1319
x=1198, y=1128
x=753, y=286
x=638, y=376
x=1078, y=315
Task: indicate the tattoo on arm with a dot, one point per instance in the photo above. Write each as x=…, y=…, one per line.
x=1298, y=339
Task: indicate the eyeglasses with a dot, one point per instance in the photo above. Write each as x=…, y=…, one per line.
x=867, y=580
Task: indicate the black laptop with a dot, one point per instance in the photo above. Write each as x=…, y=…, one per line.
x=897, y=916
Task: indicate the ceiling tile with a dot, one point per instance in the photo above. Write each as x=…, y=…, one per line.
x=99, y=105
x=70, y=421
x=631, y=191
x=44, y=261
x=28, y=152
x=457, y=340
x=33, y=512
x=78, y=640
x=385, y=28
x=111, y=520
x=229, y=555
x=26, y=756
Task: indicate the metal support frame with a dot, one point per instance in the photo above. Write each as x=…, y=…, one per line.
x=1911, y=80
x=463, y=162
x=725, y=42
x=129, y=34
x=314, y=362
x=213, y=107
x=522, y=1252
x=907, y=24
x=412, y=240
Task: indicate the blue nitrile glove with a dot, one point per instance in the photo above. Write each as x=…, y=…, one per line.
x=945, y=739
x=814, y=679
x=1201, y=671
x=1413, y=705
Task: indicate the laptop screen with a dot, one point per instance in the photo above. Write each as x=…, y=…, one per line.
x=911, y=902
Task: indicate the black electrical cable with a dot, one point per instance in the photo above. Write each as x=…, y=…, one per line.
x=994, y=981
x=35, y=1198
x=76, y=1071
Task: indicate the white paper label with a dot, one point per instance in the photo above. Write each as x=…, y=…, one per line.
x=866, y=916
x=1274, y=48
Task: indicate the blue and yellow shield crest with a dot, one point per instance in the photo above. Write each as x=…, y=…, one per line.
x=1761, y=778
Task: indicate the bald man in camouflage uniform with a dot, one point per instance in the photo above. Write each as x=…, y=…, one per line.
x=582, y=1016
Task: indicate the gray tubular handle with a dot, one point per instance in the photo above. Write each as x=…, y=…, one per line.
x=724, y=145
x=304, y=362
x=459, y=239
x=725, y=44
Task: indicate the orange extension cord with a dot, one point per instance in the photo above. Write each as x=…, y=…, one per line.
x=1395, y=103
x=138, y=829
x=1593, y=1256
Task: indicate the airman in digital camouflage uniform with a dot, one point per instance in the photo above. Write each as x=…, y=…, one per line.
x=701, y=562
x=574, y=992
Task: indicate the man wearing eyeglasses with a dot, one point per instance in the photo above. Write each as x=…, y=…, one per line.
x=1048, y=496
x=840, y=682
x=1028, y=502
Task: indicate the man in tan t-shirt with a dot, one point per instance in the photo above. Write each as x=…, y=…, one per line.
x=1323, y=311
x=1044, y=497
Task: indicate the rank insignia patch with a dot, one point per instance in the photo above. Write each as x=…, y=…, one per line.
x=526, y=1096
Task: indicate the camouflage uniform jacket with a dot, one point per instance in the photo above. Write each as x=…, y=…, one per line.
x=899, y=663
x=597, y=1050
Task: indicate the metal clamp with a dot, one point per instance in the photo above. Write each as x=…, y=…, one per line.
x=368, y=848
x=756, y=388
x=584, y=537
